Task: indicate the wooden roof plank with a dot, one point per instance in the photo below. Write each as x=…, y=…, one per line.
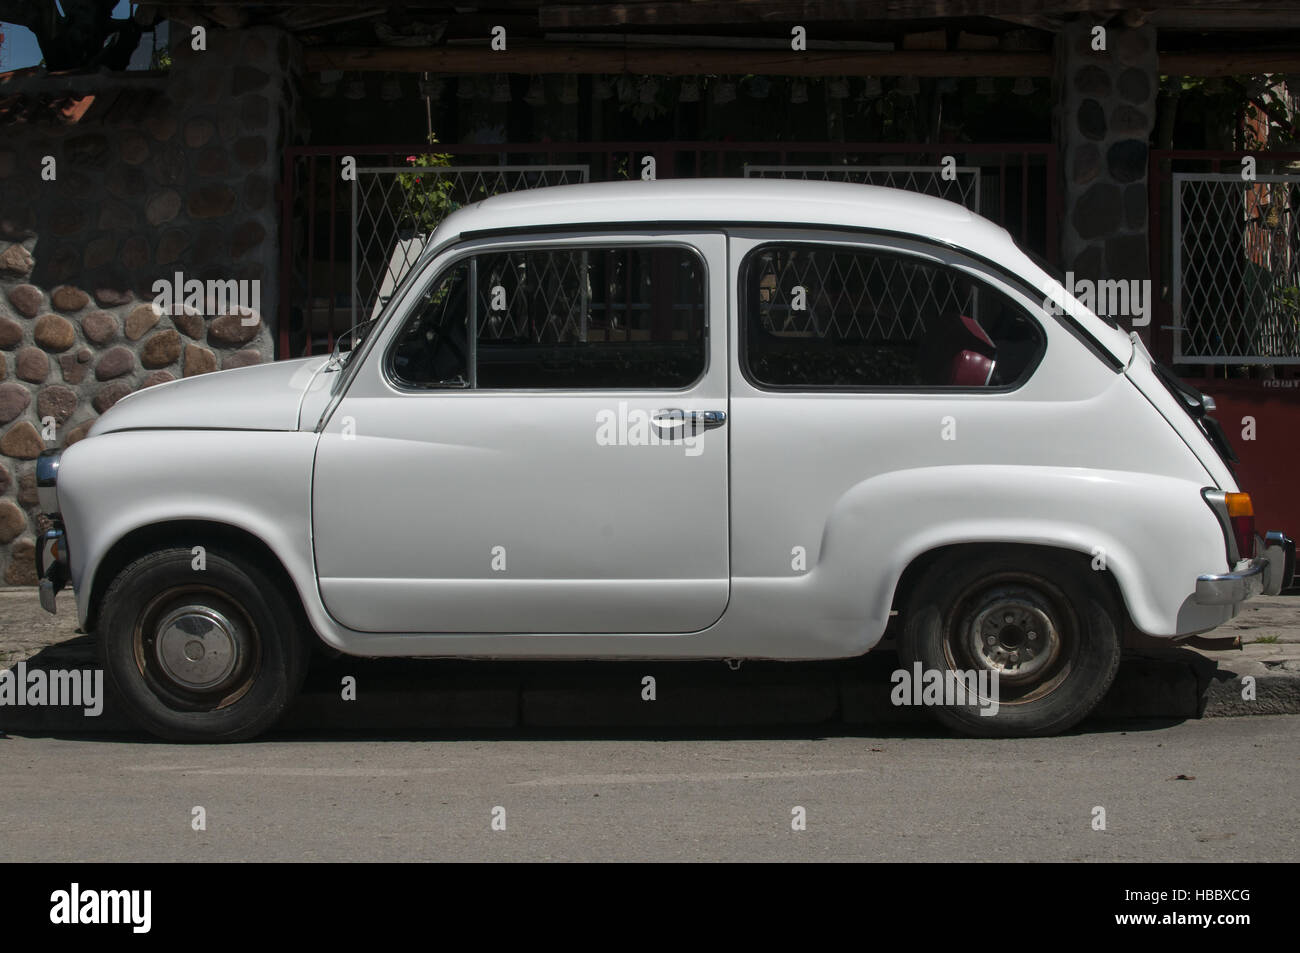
x=557, y=58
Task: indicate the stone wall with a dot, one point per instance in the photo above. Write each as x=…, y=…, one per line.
x=158, y=174
x=1105, y=113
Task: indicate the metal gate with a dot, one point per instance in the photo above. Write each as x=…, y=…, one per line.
x=395, y=210
x=344, y=245
x=963, y=188
x=1235, y=268
x=887, y=274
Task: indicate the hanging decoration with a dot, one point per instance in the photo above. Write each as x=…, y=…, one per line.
x=327, y=81
x=536, y=95
x=569, y=89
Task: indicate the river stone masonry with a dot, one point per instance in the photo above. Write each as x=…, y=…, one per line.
x=176, y=175
x=1106, y=111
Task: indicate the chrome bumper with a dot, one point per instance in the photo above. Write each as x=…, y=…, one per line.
x=1268, y=573
x=51, y=565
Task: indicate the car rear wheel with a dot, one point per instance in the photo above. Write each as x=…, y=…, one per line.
x=1038, y=624
x=212, y=654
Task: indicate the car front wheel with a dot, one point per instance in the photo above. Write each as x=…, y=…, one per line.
x=200, y=654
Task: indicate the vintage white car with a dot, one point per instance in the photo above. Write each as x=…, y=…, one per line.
x=703, y=419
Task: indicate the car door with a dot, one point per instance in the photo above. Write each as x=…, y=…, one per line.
x=562, y=469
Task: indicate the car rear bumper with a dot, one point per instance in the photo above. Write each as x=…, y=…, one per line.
x=1268, y=573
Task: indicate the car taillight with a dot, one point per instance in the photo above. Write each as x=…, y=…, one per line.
x=1242, y=515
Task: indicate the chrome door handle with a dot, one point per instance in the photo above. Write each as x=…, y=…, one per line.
x=675, y=422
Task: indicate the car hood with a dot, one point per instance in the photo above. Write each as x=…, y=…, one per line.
x=262, y=397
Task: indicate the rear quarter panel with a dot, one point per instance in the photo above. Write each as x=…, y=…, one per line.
x=863, y=483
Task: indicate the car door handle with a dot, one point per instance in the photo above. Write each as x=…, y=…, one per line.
x=675, y=422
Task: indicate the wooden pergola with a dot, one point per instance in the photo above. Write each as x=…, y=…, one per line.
x=682, y=37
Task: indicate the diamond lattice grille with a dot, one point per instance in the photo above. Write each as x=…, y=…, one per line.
x=851, y=295
x=589, y=295
x=539, y=297
x=963, y=189
x=1237, y=269
x=397, y=210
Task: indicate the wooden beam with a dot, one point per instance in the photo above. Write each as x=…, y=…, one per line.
x=930, y=40
x=560, y=58
x=1229, y=63
x=1195, y=21
x=230, y=16
x=976, y=41
x=559, y=16
x=1035, y=21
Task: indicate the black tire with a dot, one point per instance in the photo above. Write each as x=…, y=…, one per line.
x=211, y=655
x=968, y=598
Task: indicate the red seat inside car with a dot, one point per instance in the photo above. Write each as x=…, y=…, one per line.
x=958, y=353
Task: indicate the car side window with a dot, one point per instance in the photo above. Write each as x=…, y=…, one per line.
x=834, y=316
x=432, y=348
x=613, y=317
x=567, y=318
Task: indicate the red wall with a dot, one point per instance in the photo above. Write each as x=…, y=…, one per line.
x=1270, y=461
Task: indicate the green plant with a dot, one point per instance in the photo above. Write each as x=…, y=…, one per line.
x=1229, y=101
x=1288, y=297
x=1286, y=307
x=1265, y=640
x=426, y=199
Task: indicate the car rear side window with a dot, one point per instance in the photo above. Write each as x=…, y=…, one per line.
x=835, y=316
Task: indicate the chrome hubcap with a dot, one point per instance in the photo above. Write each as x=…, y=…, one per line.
x=1011, y=633
x=197, y=647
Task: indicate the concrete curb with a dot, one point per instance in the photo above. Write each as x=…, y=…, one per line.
x=405, y=696
x=1275, y=693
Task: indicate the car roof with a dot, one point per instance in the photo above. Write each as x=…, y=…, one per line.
x=734, y=201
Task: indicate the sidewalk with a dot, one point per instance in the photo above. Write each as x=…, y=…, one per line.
x=1269, y=629
x=1178, y=682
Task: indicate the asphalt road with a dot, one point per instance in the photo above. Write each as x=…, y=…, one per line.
x=1217, y=790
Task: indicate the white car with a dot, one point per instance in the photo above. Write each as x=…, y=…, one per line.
x=702, y=419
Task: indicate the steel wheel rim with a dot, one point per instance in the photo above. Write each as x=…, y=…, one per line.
x=1011, y=632
x=196, y=648
x=1035, y=605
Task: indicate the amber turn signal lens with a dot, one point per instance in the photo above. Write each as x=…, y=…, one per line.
x=1242, y=517
x=1239, y=504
